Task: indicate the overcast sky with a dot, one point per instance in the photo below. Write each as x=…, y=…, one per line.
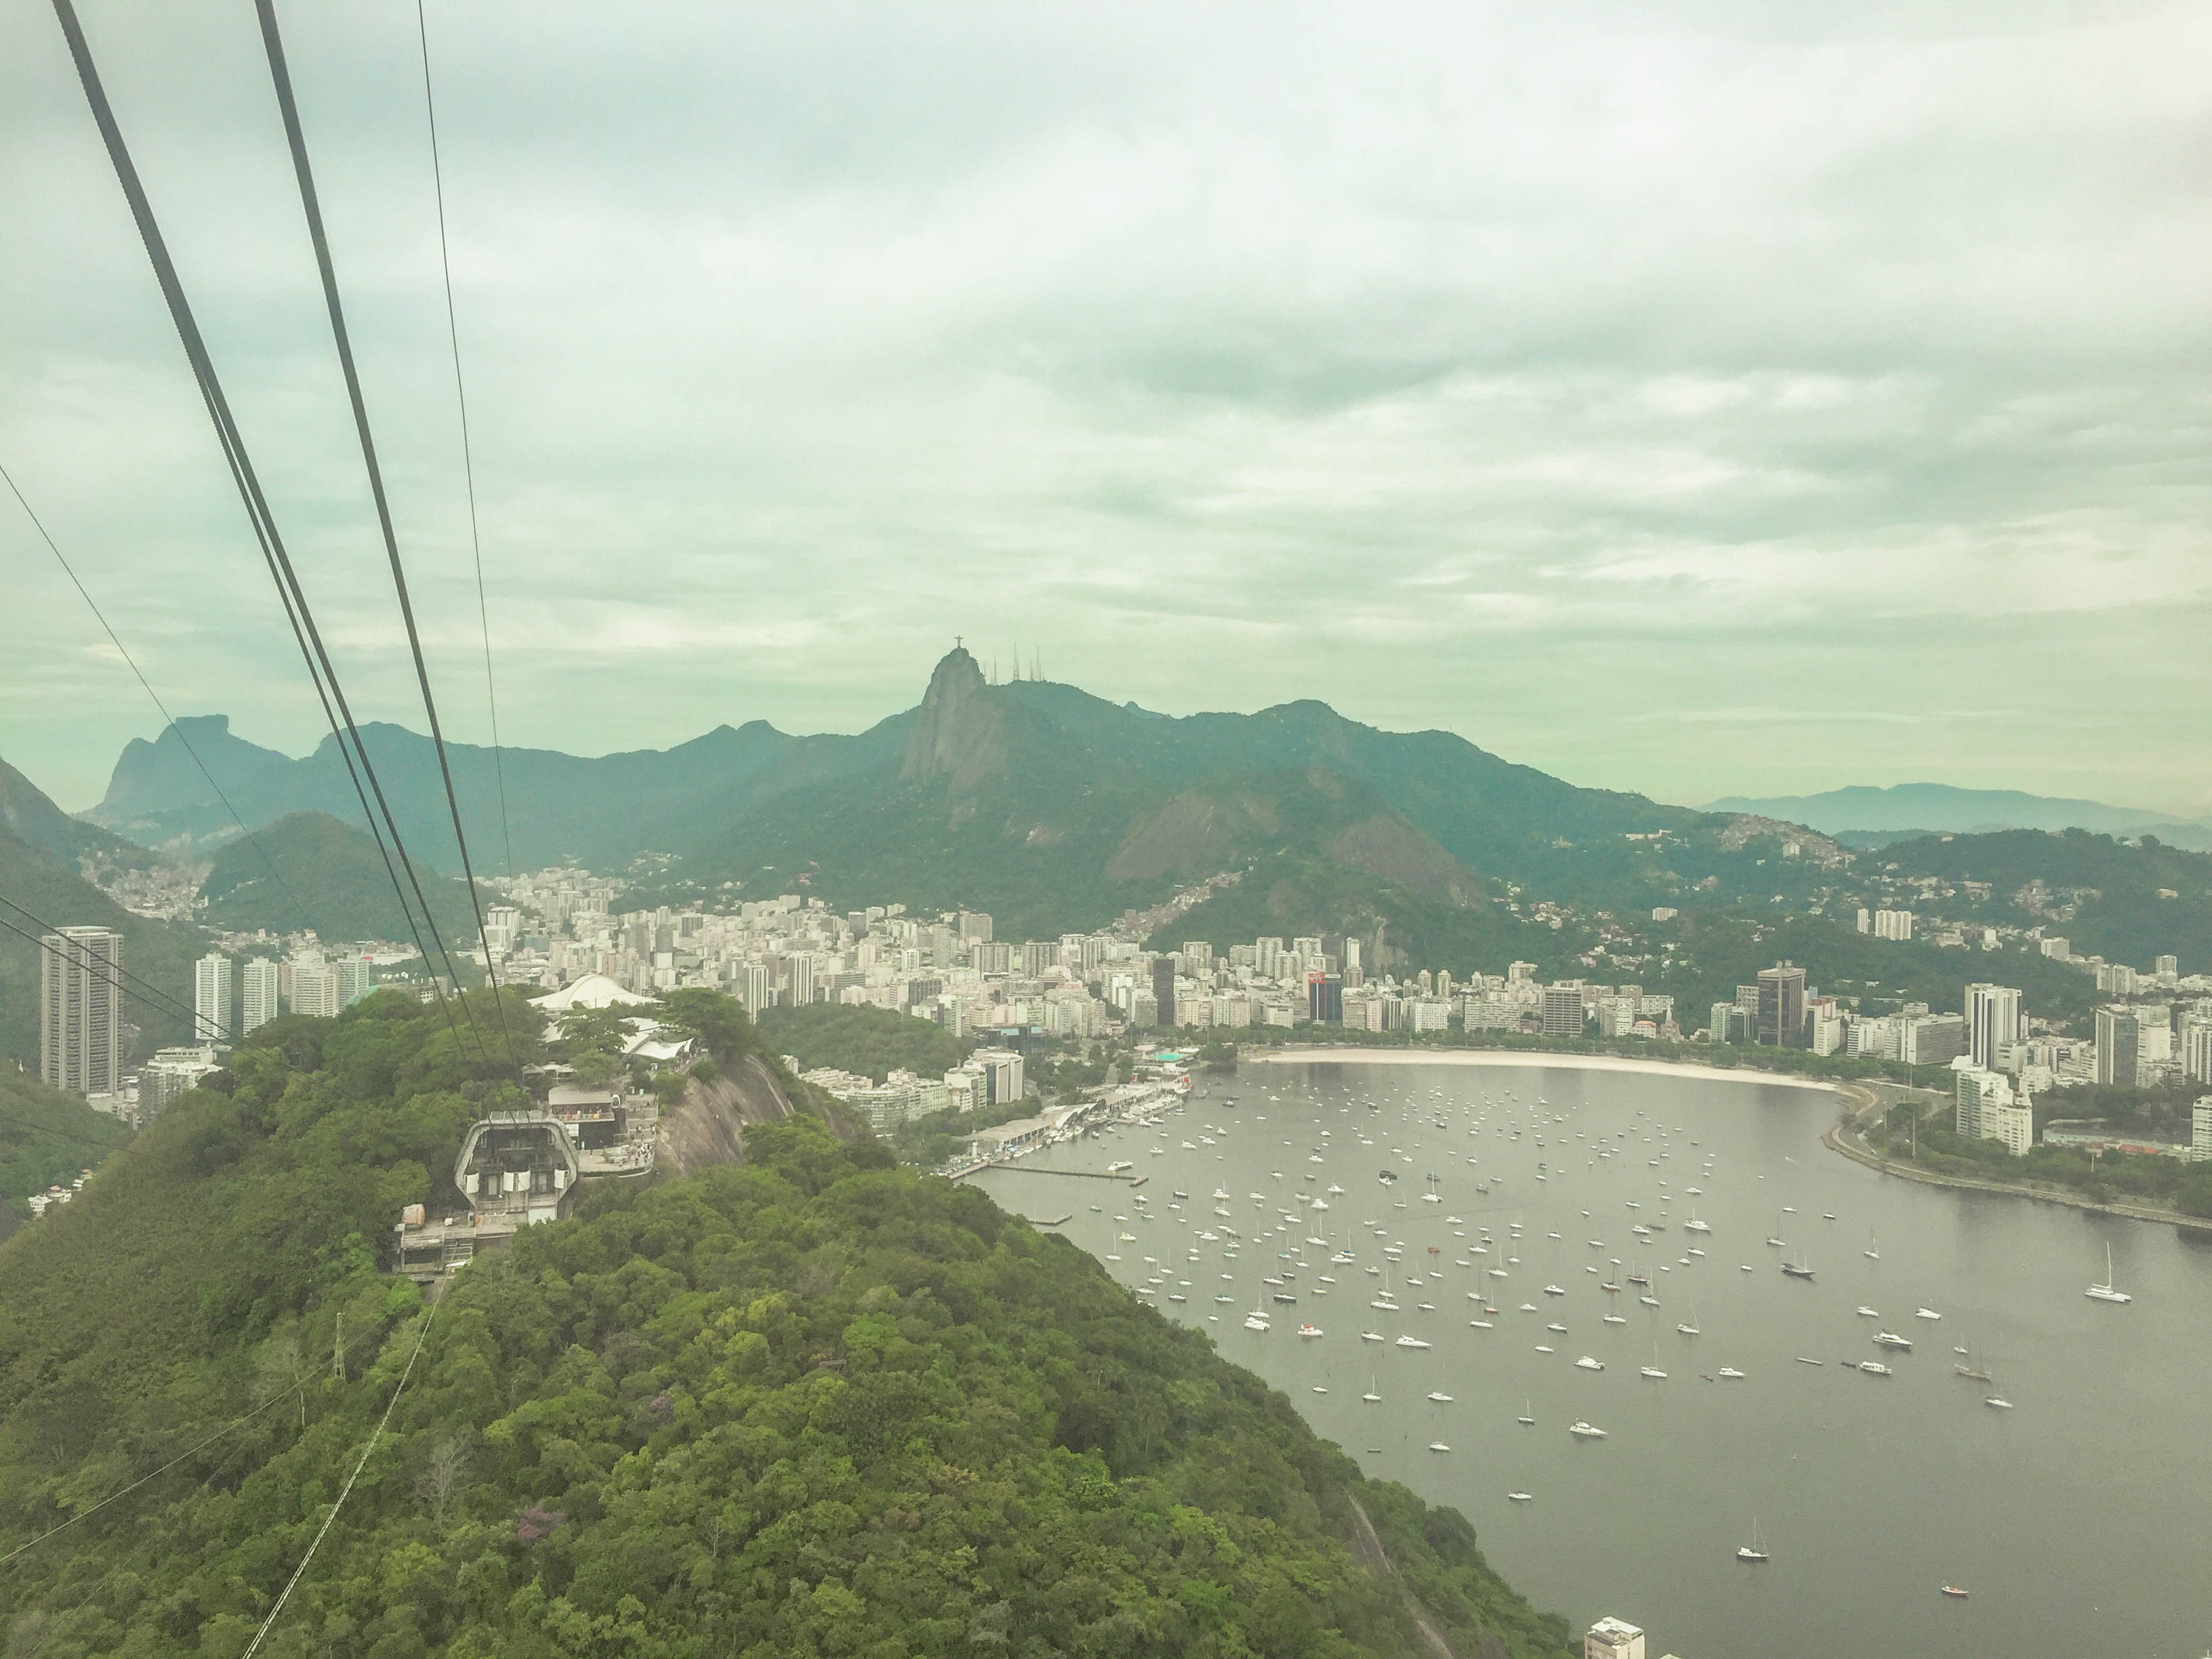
x=1684, y=398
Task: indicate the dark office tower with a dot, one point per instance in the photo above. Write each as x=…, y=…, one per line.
x=1325, y=998
x=1163, y=979
x=1782, y=1006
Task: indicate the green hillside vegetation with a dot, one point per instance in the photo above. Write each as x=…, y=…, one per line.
x=2120, y=911
x=159, y=952
x=1398, y=928
x=338, y=878
x=1722, y=950
x=47, y=1137
x=816, y=1405
x=866, y=1041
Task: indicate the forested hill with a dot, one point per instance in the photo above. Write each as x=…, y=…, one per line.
x=815, y=1405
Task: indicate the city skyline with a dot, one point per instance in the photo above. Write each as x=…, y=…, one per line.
x=1720, y=407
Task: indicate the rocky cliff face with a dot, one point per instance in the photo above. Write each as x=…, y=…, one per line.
x=960, y=730
x=707, y=1127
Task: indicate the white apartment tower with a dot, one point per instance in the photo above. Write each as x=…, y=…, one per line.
x=1992, y=1023
x=80, y=1011
x=315, y=986
x=211, y=999
x=257, y=994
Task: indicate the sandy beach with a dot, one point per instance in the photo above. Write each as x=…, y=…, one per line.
x=1526, y=1058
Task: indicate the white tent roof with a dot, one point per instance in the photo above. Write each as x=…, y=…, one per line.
x=592, y=991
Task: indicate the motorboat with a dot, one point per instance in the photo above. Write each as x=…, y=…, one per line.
x=1582, y=1431
x=1441, y=1399
x=1411, y=1342
x=1587, y=1364
x=1309, y=1330
x=1729, y=1374
x=1892, y=1340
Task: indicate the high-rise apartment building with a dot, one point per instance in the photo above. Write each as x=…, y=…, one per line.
x=1563, y=1011
x=1164, y=990
x=257, y=994
x=2197, y=1052
x=1992, y=1023
x=356, y=978
x=1782, y=1005
x=315, y=986
x=80, y=1011
x=1892, y=924
x=2118, y=1047
x=211, y=981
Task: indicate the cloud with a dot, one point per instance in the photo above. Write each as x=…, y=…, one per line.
x=1522, y=374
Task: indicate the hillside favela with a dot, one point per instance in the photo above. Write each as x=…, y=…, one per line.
x=1267, y=835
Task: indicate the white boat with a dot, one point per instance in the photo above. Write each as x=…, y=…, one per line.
x=1478, y=1324
x=1866, y=1312
x=2104, y=1292
x=1587, y=1364
x=1309, y=1330
x=1520, y=1498
x=1370, y=1336
x=1927, y=1313
x=1554, y=1289
x=1525, y=1419
x=1999, y=1402
x=1370, y=1396
x=1582, y=1431
x=1651, y=1372
x=1441, y=1399
x=1875, y=1368
x=1873, y=1251
x=1755, y=1551
x=1729, y=1374
x=1255, y=1322
x=1411, y=1342
x=1439, y=1446
x=1892, y=1340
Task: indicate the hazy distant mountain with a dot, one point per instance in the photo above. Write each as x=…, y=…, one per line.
x=28, y=814
x=308, y=870
x=558, y=807
x=39, y=849
x=1938, y=808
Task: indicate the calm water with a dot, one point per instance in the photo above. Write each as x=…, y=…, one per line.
x=2079, y=1520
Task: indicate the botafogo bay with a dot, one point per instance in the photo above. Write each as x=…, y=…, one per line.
x=2075, y=1515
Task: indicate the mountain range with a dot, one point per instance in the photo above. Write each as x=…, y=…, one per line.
x=1057, y=811
x=1863, y=815
x=1052, y=808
